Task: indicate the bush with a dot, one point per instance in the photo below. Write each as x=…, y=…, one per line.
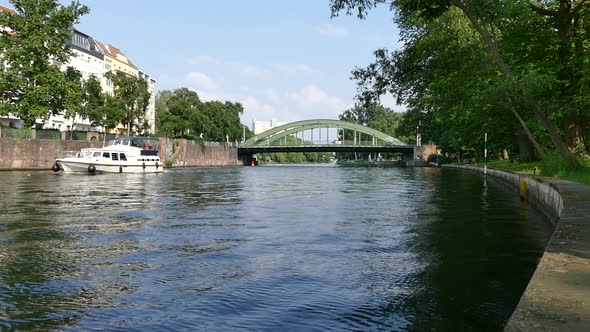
x=439, y=159
x=555, y=165
x=168, y=164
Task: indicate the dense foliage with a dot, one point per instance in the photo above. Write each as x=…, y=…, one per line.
x=295, y=157
x=132, y=97
x=182, y=114
x=33, y=42
x=33, y=47
x=377, y=117
x=517, y=70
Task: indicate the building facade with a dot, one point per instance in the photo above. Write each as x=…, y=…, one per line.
x=262, y=126
x=91, y=58
x=150, y=114
x=88, y=60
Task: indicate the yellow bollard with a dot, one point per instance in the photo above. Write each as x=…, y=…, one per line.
x=522, y=189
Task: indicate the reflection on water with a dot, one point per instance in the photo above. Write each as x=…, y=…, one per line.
x=265, y=248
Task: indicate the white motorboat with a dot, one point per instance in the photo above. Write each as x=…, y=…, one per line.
x=123, y=155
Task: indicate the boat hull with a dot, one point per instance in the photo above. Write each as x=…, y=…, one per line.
x=75, y=165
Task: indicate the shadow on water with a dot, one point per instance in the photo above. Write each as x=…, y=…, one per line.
x=478, y=253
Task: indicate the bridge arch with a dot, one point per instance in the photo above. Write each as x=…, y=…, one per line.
x=274, y=134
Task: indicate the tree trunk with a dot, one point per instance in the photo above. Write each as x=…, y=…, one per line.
x=493, y=48
x=527, y=132
x=566, y=18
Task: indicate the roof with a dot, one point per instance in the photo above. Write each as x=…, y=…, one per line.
x=112, y=51
x=88, y=45
x=6, y=9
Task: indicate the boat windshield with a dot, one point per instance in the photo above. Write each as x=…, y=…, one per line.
x=139, y=142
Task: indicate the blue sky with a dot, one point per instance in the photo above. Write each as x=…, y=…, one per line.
x=281, y=59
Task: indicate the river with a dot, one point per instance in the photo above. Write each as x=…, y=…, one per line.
x=309, y=248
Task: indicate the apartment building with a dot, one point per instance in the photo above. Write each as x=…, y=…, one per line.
x=150, y=114
x=88, y=60
x=92, y=58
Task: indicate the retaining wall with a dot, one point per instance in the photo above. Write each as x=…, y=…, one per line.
x=40, y=154
x=557, y=297
x=185, y=153
x=35, y=154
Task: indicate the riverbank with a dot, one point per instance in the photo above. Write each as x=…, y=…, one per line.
x=557, y=297
x=534, y=168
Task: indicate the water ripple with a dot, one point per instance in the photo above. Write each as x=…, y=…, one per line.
x=266, y=248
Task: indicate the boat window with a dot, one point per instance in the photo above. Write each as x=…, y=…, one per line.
x=97, y=154
x=123, y=156
x=106, y=155
x=115, y=156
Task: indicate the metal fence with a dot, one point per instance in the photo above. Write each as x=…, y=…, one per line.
x=7, y=132
x=76, y=135
x=109, y=137
x=48, y=134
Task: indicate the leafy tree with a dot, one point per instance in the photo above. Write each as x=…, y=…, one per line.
x=72, y=94
x=375, y=116
x=93, y=101
x=176, y=110
x=113, y=111
x=162, y=98
x=527, y=84
x=31, y=83
x=132, y=93
x=180, y=113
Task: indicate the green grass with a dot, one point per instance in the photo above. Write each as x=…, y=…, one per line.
x=533, y=168
x=580, y=176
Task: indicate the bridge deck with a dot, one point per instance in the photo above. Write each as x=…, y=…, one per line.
x=406, y=149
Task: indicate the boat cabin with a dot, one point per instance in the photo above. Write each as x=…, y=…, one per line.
x=148, y=146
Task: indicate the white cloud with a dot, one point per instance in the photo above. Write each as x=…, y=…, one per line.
x=199, y=81
x=253, y=105
x=293, y=69
x=280, y=91
x=312, y=96
x=272, y=95
x=205, y=62
x=331, y=30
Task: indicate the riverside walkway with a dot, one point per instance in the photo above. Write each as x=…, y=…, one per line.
x=558, y=295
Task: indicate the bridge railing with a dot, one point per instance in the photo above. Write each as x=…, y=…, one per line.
x=323, y=143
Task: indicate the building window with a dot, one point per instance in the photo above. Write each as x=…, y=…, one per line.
x=107, y=64
x=109, y=82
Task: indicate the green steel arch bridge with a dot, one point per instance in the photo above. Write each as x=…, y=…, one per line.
x=322, y=135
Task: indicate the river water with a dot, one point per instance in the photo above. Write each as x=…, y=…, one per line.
x=264, y=248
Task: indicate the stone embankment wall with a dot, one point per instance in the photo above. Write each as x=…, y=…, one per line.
x=185, y=153
x=18, y=154
x=36, y=154
x=557, y=297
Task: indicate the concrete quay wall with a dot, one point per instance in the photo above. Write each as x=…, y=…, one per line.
x=35, y=154
x=557, y=297
x=185, y=153
x=32, y=154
